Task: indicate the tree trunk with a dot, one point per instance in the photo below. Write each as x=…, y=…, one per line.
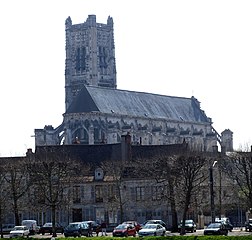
x=173, y=208
x=54, y=221
x=16, y=214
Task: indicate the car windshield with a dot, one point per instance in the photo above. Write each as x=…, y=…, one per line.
x=18, y=228
x=214, y=225
x=188, y=221
x=122, y=226
x=128, y=223
x=150, y=226
x=73, y=226
x=47, y=225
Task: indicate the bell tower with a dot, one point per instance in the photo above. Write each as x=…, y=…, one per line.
x=90, y=56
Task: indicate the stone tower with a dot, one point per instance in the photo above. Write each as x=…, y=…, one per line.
x=90, y=56
x=227, y=140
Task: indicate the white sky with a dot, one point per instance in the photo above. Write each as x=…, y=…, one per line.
x=177, y=48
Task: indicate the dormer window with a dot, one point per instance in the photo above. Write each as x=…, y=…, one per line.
x=99, y=174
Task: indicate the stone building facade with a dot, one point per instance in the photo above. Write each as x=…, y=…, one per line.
x=97, y=112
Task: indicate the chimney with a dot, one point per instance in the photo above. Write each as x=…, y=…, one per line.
x=126, y=147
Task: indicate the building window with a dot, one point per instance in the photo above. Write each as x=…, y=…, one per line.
x=98, y=193
x=76, y=194
x=139, y=193
x=111, y=193
x=157, y=192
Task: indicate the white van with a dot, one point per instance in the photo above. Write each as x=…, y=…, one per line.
x=31, y=224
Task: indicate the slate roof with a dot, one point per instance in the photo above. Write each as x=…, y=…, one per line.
x=137, y=104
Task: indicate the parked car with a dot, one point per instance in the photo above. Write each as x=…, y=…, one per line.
x=19, y=231
x=216, y=228
x=47, y=228
x=6, y=228
x=190, y=226
x=152, y=229
x=94, y=224
x=31, y=225
x=248, y=225
x=76, y=229
x=156, y=221
x=111, y=227
x=135, y=224
x=226, y=222
x=124, y=230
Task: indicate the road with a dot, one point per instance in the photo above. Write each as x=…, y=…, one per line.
x=235, y=232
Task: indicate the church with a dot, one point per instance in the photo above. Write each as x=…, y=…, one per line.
x=97, y=112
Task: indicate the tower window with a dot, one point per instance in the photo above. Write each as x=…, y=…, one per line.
x=80, y=59
x=102, y=57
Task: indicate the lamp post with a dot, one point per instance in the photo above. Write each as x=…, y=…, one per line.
x=212, y=192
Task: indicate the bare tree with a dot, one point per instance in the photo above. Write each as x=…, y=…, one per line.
x=161, y=169
x=116, y=170
x=238, y=166
x=3, y=196
x=51, y=172
x=17, y=183
x=189, y=168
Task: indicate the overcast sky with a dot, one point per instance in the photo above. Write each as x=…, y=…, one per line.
x=177, y=48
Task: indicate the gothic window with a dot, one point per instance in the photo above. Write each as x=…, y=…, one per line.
x=97, y=135
x=102, y=57
x=83, y=55
x=77, y=67
x=80, y=59
x=82, y=136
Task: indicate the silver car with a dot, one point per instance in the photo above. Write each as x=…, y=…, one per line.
x=152, y=230
x=19, y=231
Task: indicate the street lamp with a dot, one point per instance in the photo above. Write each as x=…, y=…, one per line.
x=212, y=191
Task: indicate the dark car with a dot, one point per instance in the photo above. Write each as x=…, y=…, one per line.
x=6, y=228
x=248, y=225
x=94, y=224
x=226, y=222
x=216, y=228
x=47, y=228
x=76, y=229
x=190, y=226
x=135, y=224
x=124, y=230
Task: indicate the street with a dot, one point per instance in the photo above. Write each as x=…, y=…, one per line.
x=235, y=232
